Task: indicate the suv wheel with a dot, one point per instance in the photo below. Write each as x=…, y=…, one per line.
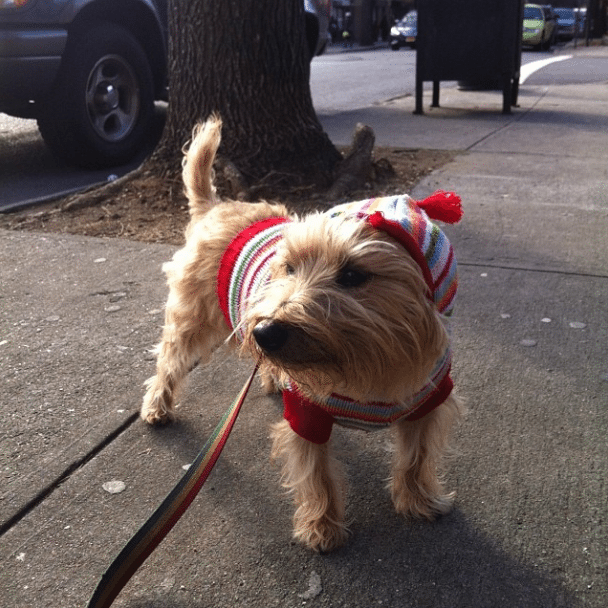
x=102, y=104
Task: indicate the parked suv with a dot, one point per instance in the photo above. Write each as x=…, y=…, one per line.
x=89, y=71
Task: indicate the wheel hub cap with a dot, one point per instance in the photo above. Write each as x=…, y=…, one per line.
x=112, y=98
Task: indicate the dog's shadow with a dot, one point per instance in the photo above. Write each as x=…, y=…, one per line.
x=449, y=563
x=446, y=564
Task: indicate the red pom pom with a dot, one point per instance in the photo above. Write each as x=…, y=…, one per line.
x=442, y=206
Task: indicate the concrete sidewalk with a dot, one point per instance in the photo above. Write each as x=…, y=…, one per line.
x=78, y=317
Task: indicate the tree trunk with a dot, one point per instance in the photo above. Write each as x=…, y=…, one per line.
x=248, y=61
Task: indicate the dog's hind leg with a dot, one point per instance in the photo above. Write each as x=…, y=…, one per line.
x=316, y=480
x=420, y=448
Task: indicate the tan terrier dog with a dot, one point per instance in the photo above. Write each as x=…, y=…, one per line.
x=347, y=312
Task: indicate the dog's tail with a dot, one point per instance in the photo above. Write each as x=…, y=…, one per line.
x=197, y=165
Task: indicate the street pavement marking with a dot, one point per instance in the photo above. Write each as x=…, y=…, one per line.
x=529, y=68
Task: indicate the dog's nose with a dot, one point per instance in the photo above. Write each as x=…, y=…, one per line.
x=271, y=336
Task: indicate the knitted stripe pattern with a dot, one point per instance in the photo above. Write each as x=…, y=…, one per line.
x=245, y=267
x=400, y=217
x=372, y=415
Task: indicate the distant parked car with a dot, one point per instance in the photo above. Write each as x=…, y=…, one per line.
x=566, y=23
x=404, y=32
x=539, y=27
x=317, y=15
x=551, y=16
x=89, y=71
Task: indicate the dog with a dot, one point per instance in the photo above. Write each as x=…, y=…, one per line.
x=346, y=311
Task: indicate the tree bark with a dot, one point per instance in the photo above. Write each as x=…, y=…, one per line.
x=248, y=61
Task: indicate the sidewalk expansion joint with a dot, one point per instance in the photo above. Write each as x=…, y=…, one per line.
x=571, y=273
x=65, y=475
x=516, y=118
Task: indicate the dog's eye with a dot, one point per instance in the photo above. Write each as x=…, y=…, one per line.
x=289, y=269
x=351, y=277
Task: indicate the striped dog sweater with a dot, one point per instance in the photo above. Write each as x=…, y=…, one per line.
x=245, y=267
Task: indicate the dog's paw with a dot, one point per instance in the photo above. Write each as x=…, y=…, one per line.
x=156, y=415
x=321, y=535
x=422, y=505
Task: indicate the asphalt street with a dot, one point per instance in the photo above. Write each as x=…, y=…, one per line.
x=342, y=82
x=30, y=174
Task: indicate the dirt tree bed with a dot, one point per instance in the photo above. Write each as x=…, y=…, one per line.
x=154, y=211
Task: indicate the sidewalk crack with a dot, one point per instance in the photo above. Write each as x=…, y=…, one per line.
x=516, y=119
x=66, y=474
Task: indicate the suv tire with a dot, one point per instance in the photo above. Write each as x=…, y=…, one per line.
x=101, y=108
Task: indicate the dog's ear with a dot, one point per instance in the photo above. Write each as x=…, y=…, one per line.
x=437, y=336
x=197, y=165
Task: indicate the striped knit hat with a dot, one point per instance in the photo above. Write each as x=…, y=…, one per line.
x=407, y=221
x=245, y=267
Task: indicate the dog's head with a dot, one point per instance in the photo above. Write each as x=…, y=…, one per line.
x=347, y=309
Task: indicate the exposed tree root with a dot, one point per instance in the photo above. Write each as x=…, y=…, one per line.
x=352, y=173
x=355, y=169
x=99, y=194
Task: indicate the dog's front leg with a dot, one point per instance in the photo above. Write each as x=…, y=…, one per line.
x=316, y=480
x=420, y=447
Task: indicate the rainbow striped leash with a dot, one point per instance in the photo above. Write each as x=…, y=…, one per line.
x=149, y=536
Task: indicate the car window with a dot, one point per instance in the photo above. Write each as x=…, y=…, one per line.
x=565, y=13
x=532, y=12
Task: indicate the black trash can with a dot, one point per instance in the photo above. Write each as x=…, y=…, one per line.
x=473, y=41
